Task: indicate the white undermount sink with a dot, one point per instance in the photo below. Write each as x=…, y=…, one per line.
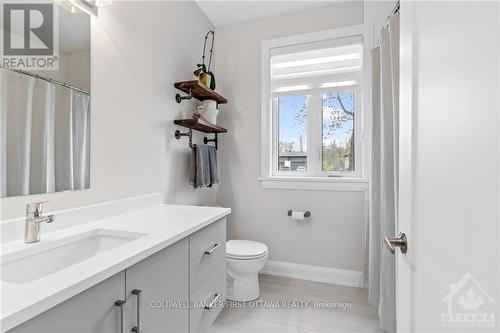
x=44, y=258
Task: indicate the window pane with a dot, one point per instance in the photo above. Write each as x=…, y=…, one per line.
x=338, y=130
x=292, y=133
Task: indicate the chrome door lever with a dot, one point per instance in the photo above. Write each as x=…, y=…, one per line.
x=393, y=242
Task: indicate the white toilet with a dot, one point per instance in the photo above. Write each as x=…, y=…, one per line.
x=244, y=260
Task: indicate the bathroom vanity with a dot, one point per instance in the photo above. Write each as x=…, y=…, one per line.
x=159, y=268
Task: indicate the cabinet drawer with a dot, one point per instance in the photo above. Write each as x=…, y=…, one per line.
x=211, y=290
x=209, y=239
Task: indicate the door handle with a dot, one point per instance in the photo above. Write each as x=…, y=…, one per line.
x=137, y=292
x=120, y=303
x=393, y=242
x=212, y=249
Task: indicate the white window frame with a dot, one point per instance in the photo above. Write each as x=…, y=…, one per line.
x=314, y=177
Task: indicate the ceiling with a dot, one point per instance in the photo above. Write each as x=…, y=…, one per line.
x=229, y=12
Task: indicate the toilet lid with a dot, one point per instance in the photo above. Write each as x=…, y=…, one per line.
x=245, y=249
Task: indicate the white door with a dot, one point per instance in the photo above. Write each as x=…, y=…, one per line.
x=449, y=167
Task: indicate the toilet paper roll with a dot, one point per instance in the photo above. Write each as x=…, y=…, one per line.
x=298, y=216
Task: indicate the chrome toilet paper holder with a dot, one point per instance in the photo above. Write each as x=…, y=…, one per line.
x=306, y=213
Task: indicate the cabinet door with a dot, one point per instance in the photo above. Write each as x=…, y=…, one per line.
x=91, y=311
x=162, y=281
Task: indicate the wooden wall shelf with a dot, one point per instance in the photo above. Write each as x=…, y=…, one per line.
x=200, y=126
x=198, y=91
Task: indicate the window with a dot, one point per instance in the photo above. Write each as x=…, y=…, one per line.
x=315, y=105
x=338, y=131
x=292, y=133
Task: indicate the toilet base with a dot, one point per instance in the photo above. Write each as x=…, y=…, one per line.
x=243, y=290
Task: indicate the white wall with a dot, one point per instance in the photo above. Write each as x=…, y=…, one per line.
x=139, y=49
x=74, y=69
x=333, y=237
x=78, y=69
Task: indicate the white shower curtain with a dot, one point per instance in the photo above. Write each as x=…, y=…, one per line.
x=48, y=177
x=44, y=138
x=3, y=140
x=17, y=114
x=384, y=187
x=80, y=140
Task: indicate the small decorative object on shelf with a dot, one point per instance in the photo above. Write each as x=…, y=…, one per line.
x=208, y=111
x=203, y=73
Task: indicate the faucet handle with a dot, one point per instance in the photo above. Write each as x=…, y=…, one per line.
x=35, y=207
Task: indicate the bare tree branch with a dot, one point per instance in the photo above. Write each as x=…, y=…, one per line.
x=343, y=106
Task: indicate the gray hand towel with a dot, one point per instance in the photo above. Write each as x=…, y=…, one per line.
x=203, y=166
x=214, y=170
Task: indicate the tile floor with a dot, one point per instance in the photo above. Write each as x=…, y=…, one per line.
x=344, y=309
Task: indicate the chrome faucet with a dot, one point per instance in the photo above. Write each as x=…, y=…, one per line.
x=33, y=219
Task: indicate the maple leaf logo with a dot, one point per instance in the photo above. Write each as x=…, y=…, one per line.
x=470, y=301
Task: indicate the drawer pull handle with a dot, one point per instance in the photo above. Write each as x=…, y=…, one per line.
x=211, y=305
x=120, y=303
x=137, y=292
x=212, y=249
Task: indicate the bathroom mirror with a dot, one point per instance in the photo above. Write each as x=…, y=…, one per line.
x=45, y=117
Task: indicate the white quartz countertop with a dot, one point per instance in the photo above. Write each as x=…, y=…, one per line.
x=162, y=225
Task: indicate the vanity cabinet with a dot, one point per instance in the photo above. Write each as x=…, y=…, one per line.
x=158, y=291
x=93, y=310
x=178, y=289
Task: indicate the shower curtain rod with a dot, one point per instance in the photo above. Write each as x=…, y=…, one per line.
x=394, y=11
x=59, y=83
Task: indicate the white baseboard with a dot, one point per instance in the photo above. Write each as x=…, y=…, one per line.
x=341, y=277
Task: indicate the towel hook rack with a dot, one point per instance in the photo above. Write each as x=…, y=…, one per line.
x=189, y=133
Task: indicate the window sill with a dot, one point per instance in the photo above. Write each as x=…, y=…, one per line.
x=316, y=183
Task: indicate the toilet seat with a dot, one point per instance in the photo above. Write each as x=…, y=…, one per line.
x=245, y=249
